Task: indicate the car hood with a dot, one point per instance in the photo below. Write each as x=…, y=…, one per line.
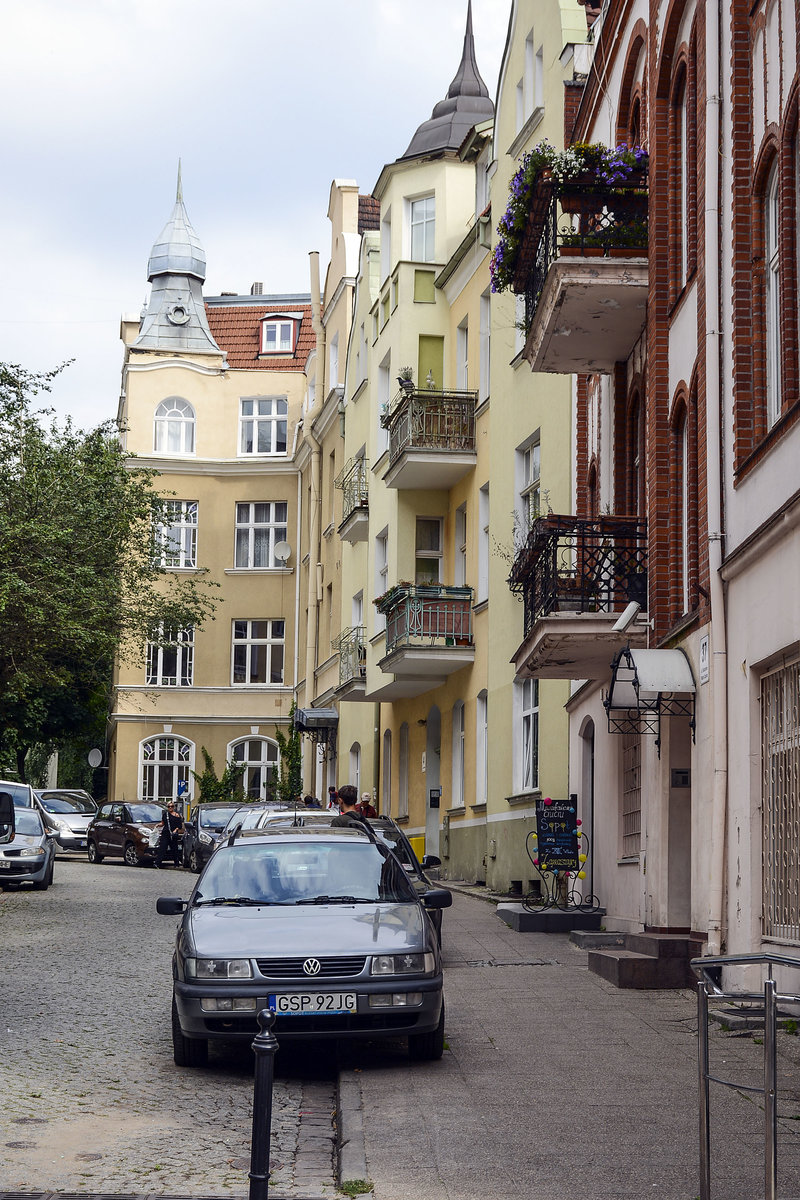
x=79, y=822
x=317, y=929
x=20, y=841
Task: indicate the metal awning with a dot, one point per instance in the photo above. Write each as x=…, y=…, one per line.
x=646, y=684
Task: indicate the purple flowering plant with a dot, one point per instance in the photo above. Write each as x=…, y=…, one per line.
x=605, y=167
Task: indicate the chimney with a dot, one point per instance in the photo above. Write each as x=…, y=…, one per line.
x=257, y=289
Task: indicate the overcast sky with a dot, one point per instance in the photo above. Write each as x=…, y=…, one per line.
x=265, y=103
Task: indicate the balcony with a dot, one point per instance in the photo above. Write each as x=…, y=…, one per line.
x=352, y=482
x=583, y=271
x=428, y=635
x=352, y=650
x=431, y=438
x=576, y=576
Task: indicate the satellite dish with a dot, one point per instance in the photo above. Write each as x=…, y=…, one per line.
x=282, y=551
x=95, y=758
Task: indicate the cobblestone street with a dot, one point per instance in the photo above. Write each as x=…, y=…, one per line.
x=90, y=1099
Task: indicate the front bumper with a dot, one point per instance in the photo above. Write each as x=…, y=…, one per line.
x=365, y=1023
x=24, y=870
x=71, y=843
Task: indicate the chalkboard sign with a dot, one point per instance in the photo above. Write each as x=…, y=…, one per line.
x=557, y=831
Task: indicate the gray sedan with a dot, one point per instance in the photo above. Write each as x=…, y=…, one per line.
x=320, y=925
x=29, y=856
x=68, y=813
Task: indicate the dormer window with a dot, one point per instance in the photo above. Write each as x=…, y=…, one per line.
x=278, y=335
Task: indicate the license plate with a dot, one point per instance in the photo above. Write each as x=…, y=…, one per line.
x=4, y=865
x=298, y=1004
x=82, y=843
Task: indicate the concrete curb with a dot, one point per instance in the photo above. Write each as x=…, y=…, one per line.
x=351, y=1147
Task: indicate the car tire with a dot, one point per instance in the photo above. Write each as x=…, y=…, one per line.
x=93, y=854
x=427, y=1047
x=130, y=856
x=195, y=863
x=187, y=1052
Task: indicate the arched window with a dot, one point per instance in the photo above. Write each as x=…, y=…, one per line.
x=355, y=766
x=259, y=757
x=402, y=773
x=458, y=755
x=174, y=427
x=164, y=763
x=634, y=499
x=772, y=304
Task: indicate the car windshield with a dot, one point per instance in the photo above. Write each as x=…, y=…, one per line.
x=20, y=793
x=213, y=818
x=303, y=873
x=55, y=802
x=395, y=842
x=29, y=823
x=143, y=813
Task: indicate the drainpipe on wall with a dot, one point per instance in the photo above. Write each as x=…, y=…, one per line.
x=719, y=647
x=314, y=565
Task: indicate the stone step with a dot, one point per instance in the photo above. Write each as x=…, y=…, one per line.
x=660, y=945
x=550, y=920
x=587, y=939
x=629, y=969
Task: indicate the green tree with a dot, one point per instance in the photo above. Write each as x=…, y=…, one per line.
x=79, y=578
x=211, y=788
x=290, y=766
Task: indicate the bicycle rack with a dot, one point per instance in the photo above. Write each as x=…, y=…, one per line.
x=709, y=972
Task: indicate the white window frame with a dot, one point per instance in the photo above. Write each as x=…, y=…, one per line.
x=381, y=575
x=530, y=482
x=422, y=228
x=386, y=777
x=355, y=767
x=244, y=637
x=174, y=427
x=165, y=753
x=482, y=748
x=485, y=347
x=462, y=355
x=402, y=772
x=773, y=302
x=458, y=759
x=526, y=696
x=176, y=534
x=780, y=804
x=259, y=771
x=333, y=362
x=460, y=573
x=433, y=556
x=386, y=245
x=483, y=544
x=172, y=664
x=272, y=527
x=259, y=415
x=285, y=330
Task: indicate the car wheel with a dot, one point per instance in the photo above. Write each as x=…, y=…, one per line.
x=130, y=856
x=194, y=861
x=427, y=1047
x=93, y=853
x=187, y=1052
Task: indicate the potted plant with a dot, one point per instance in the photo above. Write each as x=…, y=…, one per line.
x=405, y=377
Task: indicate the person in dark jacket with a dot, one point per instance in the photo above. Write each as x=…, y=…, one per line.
x=348, y=804
x=168, y=842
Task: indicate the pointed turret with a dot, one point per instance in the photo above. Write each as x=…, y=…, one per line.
x=176, y=315
x=467, y=103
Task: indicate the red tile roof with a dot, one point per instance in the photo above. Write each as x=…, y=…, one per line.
x=237, y=330
x=369, y=214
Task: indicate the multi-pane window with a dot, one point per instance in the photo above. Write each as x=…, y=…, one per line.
x=428, y=559
x=483, y=543
x=773, y=310
x=262, y=425
x=458, y=755
x=174, y=427
x=165, y=762
x=529, y=718
x=423, y=229
x=258, y=648
x=381, y=575
x=780, y=803
x=170, y=659
x=277, y=337
x=530, y=492
x=460, y=573
x=176, y=533
x=259, y=759
x=259, y=528
x=462, y=356
x=631, y=794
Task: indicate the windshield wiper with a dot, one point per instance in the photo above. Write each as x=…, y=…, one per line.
x=243, y=900
x=338, y=900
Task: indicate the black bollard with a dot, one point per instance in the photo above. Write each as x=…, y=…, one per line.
x=265, y=1046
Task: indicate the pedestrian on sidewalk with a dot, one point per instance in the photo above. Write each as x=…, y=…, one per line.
x=366, y=807
x=348, y=804
x=169, y=838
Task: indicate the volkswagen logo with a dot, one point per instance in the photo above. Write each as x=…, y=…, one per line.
x=311, y=966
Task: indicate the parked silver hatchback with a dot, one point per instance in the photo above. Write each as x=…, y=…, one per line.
x=320, y=925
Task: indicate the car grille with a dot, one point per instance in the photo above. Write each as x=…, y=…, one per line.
x=340, y=1023
x=341, y=967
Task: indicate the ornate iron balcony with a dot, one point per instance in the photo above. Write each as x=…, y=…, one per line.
x=425, y=419
x=575, y=564
x=353, y=482
x=352, y=649
x=421, y=616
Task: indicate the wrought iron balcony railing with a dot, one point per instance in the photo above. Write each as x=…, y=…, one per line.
x=420, y=616
x=424, y=419
x=581, y=565
x=352, y=480
x=586, y=221
x=351, y=645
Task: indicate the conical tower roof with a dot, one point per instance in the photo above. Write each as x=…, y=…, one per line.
x=177, y=250
x=467, y=103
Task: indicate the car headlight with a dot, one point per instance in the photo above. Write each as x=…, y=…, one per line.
x=32, y=852
x=61, y=826
x=206, y=839
x=218, y=968
x=403, y=964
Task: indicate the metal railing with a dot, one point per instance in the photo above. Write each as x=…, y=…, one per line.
x=353, y=482
x=709, y=971
x=589, y=221
x=427, y=616
x=351, y=645
x=580, y=564
x=425, y=419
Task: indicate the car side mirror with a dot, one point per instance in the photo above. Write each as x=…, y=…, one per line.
x=430, y=860
x=170, y=906
x=7, y=824
x=437, y=898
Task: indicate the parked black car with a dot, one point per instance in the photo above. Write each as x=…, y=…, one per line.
x=203, y=832
x=126, y=831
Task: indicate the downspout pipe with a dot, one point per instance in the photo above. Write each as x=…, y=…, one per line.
x=314, y=536
x=719, y=646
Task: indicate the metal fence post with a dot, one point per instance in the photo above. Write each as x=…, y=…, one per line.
x=265, y=1046
x=770, y=1091
x=702, y=1069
